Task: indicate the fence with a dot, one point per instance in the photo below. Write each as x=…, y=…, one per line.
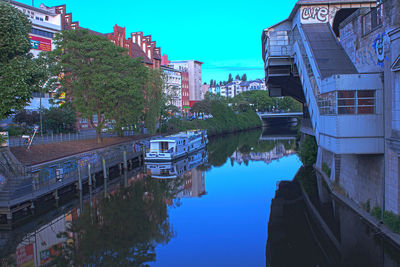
x=15, y=141
x=40, y=181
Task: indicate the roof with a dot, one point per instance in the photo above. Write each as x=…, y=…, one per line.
x=138, y=52
x=32, y=8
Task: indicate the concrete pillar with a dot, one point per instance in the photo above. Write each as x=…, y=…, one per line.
x=125, y=161
x=105, y=177
x=79, y=179
x=319, y=158
x=56, y=197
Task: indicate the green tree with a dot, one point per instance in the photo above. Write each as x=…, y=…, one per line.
x=230, y=79
x=244, y=77
x=237, y=77
x=18, y=70
x=153, y=98
x=308, y=151
x=94, y=79
x=128, y=103
x=60, y=119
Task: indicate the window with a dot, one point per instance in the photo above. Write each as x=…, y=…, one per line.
x=42, y=33
x=346, y=102
x=46, y=18
x=372, y=20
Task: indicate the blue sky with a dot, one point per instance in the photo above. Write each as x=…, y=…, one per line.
x=225, y=35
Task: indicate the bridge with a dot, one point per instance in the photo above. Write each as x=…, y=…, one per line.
x=267, y=115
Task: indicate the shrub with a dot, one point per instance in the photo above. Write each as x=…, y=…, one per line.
x=308, y=151
x=326, y=169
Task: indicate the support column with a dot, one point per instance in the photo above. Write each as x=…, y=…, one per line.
x=105, y=177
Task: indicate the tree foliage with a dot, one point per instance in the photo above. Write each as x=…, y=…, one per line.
x=19, y=72
x=59, y=119
x=100, y=78
x=308, y=151
x=153, y=99
x=244, y=77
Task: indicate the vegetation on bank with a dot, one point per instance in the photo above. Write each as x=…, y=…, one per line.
x=390, y=219
x=224, y=118
x=308, y=151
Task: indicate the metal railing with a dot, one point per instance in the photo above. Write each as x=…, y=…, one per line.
x=15, y=141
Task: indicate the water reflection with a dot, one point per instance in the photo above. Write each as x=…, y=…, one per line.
x=314, y=228
x=126, y=227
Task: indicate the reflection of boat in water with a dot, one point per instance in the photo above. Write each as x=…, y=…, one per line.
x=173, y=169
x=176, y=146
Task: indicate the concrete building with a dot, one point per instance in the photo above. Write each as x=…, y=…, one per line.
x=45, y=24
x=173, y=86
x=340, y=58
x=193, y=68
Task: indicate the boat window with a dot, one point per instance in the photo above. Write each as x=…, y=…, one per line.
x=164, y=146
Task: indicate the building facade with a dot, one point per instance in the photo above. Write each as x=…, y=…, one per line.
x=193, y=68
x=341, y=60
x=173, y=86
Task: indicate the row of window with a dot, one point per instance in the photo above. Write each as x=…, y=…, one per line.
x=347, y=102
x=42, y=33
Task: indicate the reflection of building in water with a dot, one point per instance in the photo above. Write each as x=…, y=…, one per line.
x=194, y=184
x=41, y=246
x=277, y=152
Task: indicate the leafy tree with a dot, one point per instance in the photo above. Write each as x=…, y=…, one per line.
x=18, y=70
x=94, y=79
x=308, y=151
x=27, y=118
x=203, y=106
x=230, y=79
x=153, y=98
x=60, y=119
x=128, y=103
x=237, y=77
x=244, y=77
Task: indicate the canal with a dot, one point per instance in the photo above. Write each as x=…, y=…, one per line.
x=224, y=206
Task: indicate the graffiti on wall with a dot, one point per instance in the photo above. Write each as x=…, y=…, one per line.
x=381, y=47
x=315, y=14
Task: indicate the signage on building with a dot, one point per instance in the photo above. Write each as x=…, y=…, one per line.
x=25, y=256
x=40, y=43
x=47, y=255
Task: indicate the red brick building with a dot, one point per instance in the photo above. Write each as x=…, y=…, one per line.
x=185, y=91
x=137, y=45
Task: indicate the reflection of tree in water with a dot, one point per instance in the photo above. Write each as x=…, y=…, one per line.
x=123, y=229
x=221, y=148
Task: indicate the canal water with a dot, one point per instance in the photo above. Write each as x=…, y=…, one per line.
x=224, y=206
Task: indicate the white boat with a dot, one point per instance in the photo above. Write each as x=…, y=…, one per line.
x=173, y=169
x=175, y=146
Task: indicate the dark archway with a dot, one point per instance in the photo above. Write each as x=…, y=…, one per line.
x=340, y=16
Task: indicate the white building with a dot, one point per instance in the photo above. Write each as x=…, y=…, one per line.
x=173, y=86
x=45, y=24
x=195, y=76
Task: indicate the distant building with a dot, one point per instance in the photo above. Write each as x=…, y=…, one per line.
x=173, y=86
x=236, y=87
x=204, y=90
x=193, y=68
x=185, y=91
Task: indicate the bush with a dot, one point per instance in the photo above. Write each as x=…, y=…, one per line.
x=224, y=121
x=326, y=169
x=308, y=151
x=17, y=131
x=389, y=218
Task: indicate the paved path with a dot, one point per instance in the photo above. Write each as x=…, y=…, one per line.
x=48, y=152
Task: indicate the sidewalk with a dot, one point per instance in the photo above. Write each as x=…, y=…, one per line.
x=47, y=152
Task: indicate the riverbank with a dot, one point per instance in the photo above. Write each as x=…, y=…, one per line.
x=49, y=152
x=226, y=121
